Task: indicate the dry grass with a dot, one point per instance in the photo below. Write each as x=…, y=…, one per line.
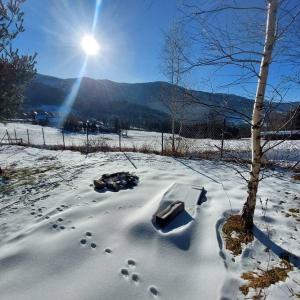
x=294, y=210
x=182, y=151
x=234, y=234
x=13, y=178
x=296, y=176
x=264, y=278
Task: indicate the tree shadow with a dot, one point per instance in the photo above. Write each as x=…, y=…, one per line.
x=280, y=252
x=197, y=171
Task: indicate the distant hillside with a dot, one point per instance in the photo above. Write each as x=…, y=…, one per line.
x=105, y=98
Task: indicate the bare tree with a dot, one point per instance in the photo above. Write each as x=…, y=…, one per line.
x=247, y=39
x=173, y=65
x=257, y=115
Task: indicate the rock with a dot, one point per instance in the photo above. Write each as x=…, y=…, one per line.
x=116, y=181
x=99, y=184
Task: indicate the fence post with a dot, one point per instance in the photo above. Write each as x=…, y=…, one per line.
x=87, y=138
x=43, y=136
x=222, y=135
x=63, y=136
x=162, y=142
x=120, y=138
x=15, y=134
x=120, y=141
x=28, y=136
x=8, y=137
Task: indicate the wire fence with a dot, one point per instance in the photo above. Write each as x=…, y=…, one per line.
x=189, y=141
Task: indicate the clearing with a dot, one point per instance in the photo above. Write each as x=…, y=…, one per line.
x=62, y=239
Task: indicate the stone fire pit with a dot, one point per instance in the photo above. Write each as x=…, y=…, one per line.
x=116, y=181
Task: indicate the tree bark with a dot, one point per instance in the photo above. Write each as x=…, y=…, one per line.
x=257, y=116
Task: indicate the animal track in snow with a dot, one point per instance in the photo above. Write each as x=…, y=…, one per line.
x=37, y=212
x=124, y=272
x=153, y=290
x=135, y=277
x=85, y=242
x=60, y=224
x=131, y=262
x=56, y=226
x=108, y=250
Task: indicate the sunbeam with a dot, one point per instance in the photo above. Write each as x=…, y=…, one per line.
x=93, y=49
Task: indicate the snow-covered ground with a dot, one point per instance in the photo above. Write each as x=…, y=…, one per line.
x=287, y=151
x=50, y=206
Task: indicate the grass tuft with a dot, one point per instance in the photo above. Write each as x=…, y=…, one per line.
x=263, y=279
x=294, y=210
x=235, y=235
x=296, y=176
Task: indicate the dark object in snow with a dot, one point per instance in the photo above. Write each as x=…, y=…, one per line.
x=116, y=182
x=202, y=197
x=99, y=184
x=165, y=216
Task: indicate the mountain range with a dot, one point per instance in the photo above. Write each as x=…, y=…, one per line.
x=146, y=101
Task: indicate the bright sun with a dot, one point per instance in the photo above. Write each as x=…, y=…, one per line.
x=89, y=45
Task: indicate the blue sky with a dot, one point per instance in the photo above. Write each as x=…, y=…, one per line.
x=130, y=33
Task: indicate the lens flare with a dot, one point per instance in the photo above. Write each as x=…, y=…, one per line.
x=90, y=45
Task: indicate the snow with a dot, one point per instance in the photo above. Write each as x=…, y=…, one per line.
x=187, y=261
x=288, y=150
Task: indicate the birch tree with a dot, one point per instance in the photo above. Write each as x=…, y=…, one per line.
x=247, y=39
x=257, y=115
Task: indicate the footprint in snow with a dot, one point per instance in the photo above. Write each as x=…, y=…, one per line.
x=108, y=250
x=85, y=241
x=131, y=263
x=153, y=290
x=124, y=272
x=135, y=277
x=59, y=224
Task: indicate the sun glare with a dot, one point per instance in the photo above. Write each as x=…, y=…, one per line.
x=90, y=45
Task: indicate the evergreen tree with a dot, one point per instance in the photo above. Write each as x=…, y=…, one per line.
x=15, y=70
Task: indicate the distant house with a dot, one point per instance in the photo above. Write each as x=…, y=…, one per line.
x=280, y=135
x=41, y=117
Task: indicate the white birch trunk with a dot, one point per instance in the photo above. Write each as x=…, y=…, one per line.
x=257, y=115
